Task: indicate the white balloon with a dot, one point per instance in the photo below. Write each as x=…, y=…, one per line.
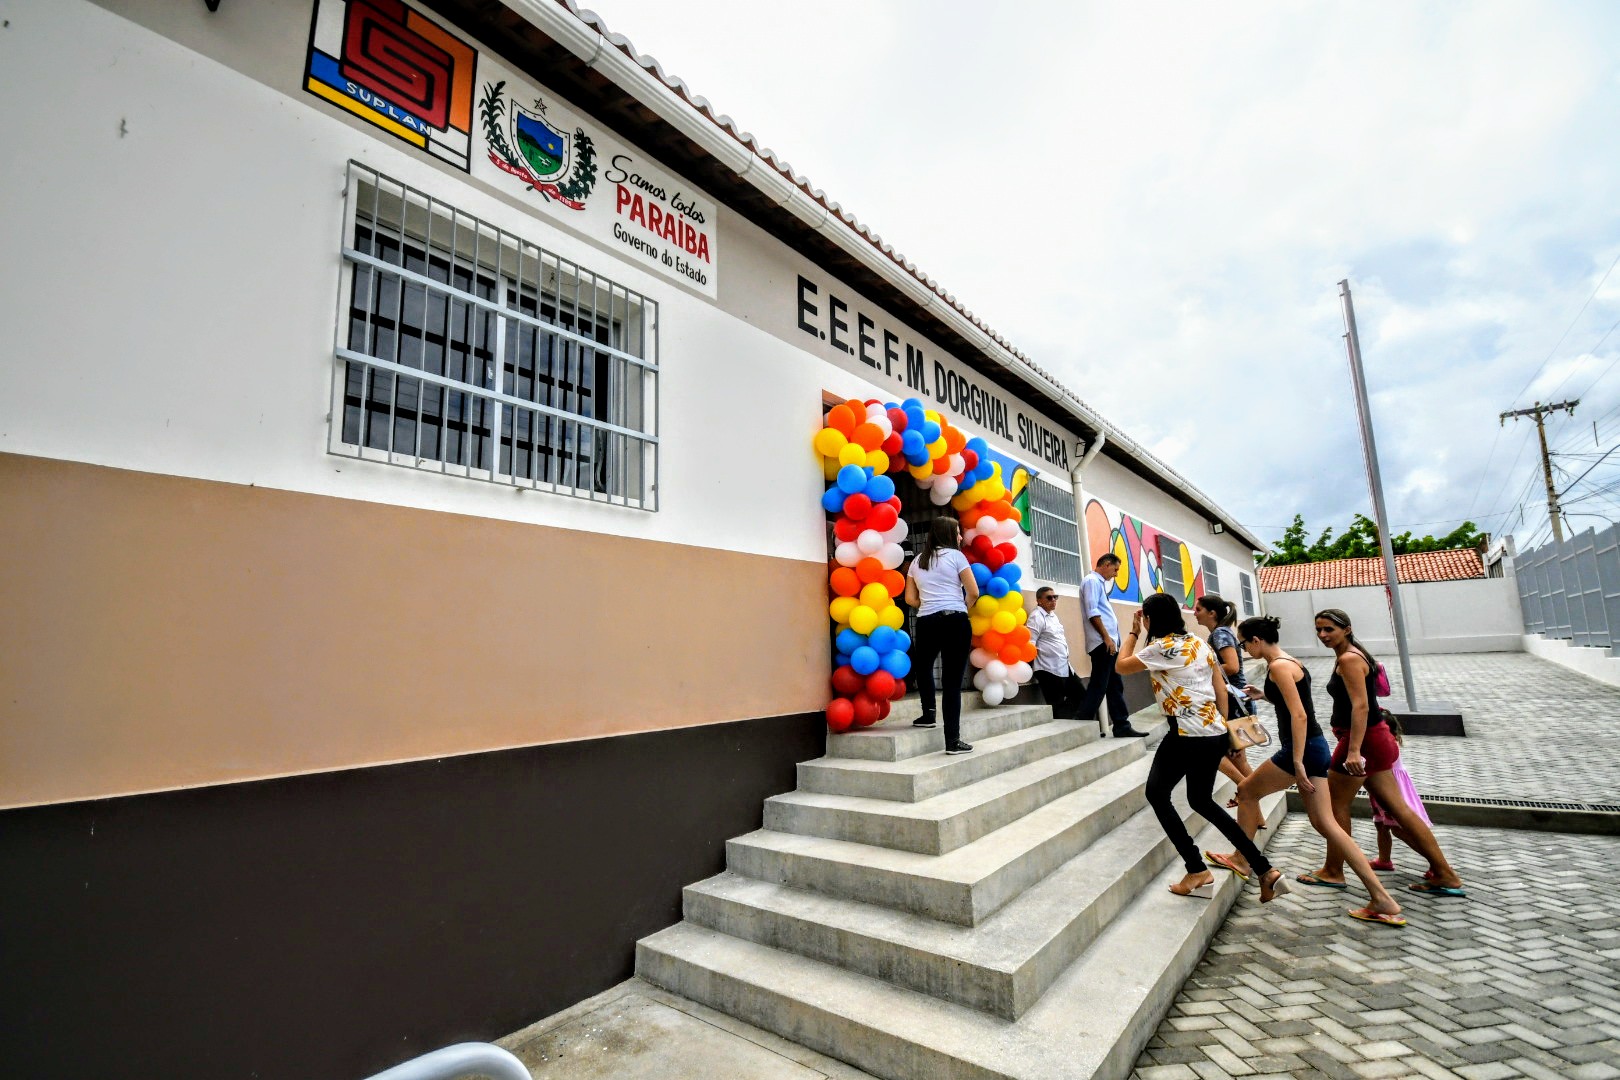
x=980, y=680
x=993, y=693
x=890, y=556
x=996, y=670
x=938, y=495
x=870, y=541
x=847, y=554
x=958, y=466
x=900, y=531
x=1022, y=672
x=875, y=410
x=1009, y=690
x=927, y=482
x=978, y=658
x=947, y=484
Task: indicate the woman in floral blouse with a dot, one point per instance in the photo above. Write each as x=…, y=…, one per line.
x=1192, y=694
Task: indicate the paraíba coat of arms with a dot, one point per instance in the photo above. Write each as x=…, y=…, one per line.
x=557, y=165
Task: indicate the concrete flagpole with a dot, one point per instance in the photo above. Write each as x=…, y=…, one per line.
x=1369, y=450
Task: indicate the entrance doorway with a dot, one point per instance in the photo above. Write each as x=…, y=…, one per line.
x=918, y=511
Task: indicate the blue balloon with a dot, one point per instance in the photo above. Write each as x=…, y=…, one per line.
x=851, y=479
x=864, y=660
x=912, y=403
x=978, y=445
x=902, y=641
x=981, y=574
x=848, y=640
x=997, y=587
x=832, y=500
x=896, y=663
x=930, y=432
x=912, y=442
x=840, y=660
x=882, y=639
x=880, y=489
x=1011, y=572
x=919, y=458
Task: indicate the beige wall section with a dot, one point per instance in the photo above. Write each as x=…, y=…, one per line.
x=164, y=632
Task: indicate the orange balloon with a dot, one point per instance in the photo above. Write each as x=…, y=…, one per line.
x=942, y=465
x=971, y=518
x=999, y=510
x=954, y=440
x=1010, y=654
x=1028, y=655
x=1018, y=635
x=1014, y=514
x=869, y=436
x=894, y=581
x=869, y=570
x=845, y=582
x=993, y=641
x=840, y=417
x=857, y=407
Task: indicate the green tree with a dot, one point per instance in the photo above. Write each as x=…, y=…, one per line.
x=1360, y=540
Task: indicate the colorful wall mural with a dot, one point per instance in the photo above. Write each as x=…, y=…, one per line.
x=1142, y=549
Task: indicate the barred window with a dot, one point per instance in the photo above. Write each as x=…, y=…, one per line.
x=1171, y=579
x=1248, y=593
x=1054, y=534
x=472, y=352
x=1212, y=576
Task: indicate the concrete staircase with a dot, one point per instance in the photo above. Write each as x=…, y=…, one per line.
x=996, y=914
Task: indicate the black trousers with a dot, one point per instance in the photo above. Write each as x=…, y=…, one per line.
x=948, y=635
x=1105, y=682
x=1063, y=692
x=1195, y=758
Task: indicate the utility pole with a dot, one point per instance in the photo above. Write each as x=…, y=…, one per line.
x=1539, y=412
x=1369, y=449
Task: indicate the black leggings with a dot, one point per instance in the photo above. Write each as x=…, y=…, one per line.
x=947, y=634
x=1197, y=758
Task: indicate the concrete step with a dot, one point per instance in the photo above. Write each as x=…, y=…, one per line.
x=916, y=778
x=964, y=886
x=1001, y=966
x=949, y=820
x=1092, y=1022
x=895, y=739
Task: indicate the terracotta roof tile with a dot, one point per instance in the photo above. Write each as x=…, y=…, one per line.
x=1456, y=564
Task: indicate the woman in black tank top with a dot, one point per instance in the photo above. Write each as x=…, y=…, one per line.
x=1366, y=754
x=1303, y=760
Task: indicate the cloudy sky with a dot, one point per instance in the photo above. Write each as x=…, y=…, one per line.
x=1156, y=202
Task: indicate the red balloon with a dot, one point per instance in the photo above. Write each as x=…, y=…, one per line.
x=993, y=560
x=880, y=685
x=897, y=419
x=891, y=445
x=881, y=518
x=894, y=501
x=1008, y=553
x=840, y=714
x=866, y=711
x=847, y=530
x=970, y=459
x=899, y=690
x=847, y=681
x=857, y=506
x=883, y=709
x=983, y=545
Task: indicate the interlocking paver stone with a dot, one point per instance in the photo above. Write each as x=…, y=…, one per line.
x=1451, y=996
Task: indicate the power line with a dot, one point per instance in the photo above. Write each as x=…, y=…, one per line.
x=1567, y=329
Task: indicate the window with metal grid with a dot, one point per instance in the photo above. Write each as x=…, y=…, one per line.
x=469, y=351
x=1171, y=579
x=1054, y=534
x=1212, y=576
x=1247, y=584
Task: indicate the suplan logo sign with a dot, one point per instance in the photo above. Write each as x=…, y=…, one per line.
x=555, y=164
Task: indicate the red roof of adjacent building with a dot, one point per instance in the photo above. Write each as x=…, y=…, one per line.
x=1457, y=564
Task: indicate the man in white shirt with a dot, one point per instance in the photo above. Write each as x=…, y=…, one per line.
x=1102, y=643
x=1059, y=684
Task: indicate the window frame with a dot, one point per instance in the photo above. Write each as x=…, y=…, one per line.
x=1048, y=561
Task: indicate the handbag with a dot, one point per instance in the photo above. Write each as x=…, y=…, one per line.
x=1381, y=681
x=1247, y=731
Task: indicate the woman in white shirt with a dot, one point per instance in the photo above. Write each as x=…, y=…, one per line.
x=1186, y=682
x=939, y=587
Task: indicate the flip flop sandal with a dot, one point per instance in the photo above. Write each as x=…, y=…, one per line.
x=1225, y=864
x=1429, y=888
x=1381, y=864
x=1320, y=883
x=1368, y=915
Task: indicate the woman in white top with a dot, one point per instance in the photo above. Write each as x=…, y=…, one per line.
x=939, y=587
x=1187, y=685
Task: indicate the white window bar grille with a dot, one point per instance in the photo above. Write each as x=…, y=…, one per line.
x=1170, y=576
x=1212, y=576
x=468, y=351
x=1054, y=534
x=1246, y=583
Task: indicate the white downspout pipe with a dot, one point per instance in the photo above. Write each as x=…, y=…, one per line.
x=1075, y=477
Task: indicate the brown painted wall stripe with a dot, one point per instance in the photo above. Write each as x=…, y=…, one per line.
x=164, y=632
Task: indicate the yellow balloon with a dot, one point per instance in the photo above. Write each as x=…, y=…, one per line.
x=979, y=624
x=875, y=596
x=852, y=454
x=920, y=472
x=1001, y=623
x=840, y=608
x=964, y=500
x=1022, y=616
x=829, y=441
x=986, y=606
x=996, y=491
x=936, y=449
x=863, y=620
x=829, y=468
x=930, y=414
x=892, y=617
x=878, y=461
x=1013, y=601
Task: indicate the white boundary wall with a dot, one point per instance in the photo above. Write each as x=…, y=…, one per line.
x=1480, y=615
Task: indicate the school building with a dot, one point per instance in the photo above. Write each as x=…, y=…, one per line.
x=416, y=567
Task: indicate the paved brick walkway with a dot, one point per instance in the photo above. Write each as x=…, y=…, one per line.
x=1535, y=730
x=1520, y=979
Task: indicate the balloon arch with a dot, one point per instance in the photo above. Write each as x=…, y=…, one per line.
x=862, y=445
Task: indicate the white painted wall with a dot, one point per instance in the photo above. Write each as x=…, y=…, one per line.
x=1481, y=615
